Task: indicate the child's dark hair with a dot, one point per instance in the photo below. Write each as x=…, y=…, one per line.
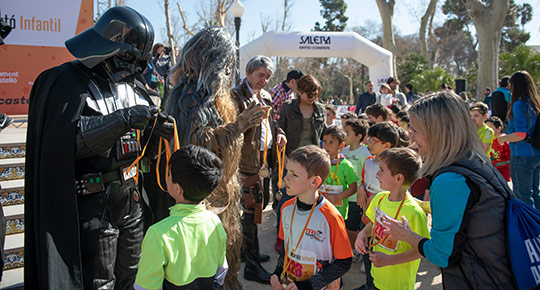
x=197, y=169
x=377, y=110
x=314, y=159
x=404, y=139
x=363, y=116
x=358, y=126
x=403, y=161
x=403, y=116
x=348, y=115
x=497, y=122
x=386, y=132
x=335, y=132
x=395, y=108
x=480, y=107
x=331, y=108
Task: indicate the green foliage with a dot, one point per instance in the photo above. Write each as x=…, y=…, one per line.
x=511, y=35
x=521, y=58
x=334, y=13
x=431, y=80
x=471, y=76
x=413, y=65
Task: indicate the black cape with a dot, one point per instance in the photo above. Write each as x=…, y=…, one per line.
x=52, y=239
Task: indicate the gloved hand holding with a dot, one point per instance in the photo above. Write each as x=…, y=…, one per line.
x=137, y=117
x=252, y=116
x=164, y=127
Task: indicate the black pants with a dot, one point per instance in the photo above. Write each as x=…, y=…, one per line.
x=113, y=262
x=250, y=243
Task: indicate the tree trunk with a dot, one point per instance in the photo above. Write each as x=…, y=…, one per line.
x=286, y=6
x=169, y=32
x=386, y=9
x=220, y=16
x=351, y=100
x=424, y=31
x=488, y=21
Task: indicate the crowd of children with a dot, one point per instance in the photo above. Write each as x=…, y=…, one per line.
x=364, y=173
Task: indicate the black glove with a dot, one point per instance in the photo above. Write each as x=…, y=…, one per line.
x=138, y=116
x=164, y=129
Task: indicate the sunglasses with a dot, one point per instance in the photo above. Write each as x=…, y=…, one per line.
x=309, y=96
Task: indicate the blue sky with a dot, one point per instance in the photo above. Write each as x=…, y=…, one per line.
x=304, y=13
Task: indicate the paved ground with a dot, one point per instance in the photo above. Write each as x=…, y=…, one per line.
x=428, y=277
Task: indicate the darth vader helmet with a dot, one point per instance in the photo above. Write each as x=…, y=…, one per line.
x=121, y=37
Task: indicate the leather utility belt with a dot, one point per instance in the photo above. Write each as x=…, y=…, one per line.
x=95, y=182
x=252, y=196
x=127, y=146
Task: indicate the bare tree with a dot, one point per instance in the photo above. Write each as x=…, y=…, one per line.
x=186, y=28
x=488, y=20
x=172, y=43
x=426, y=33
x=287, y=4
x=386, y=9
x=266, y=22
x=222, y=7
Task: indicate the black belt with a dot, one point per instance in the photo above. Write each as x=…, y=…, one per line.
x=95, y=182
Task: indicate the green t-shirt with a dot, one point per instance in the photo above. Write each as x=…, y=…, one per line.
x=187, y=245
x=486, y=136
x=401, y=276
x=357, y=158
x=345, y=177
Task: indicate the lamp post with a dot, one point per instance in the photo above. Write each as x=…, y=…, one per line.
x=237, y=10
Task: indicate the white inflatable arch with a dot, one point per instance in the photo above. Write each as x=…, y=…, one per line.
x=321, y=44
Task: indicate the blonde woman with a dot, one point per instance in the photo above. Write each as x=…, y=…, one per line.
x=467, y=198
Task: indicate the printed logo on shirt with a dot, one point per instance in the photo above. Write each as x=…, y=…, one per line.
x=315, y=235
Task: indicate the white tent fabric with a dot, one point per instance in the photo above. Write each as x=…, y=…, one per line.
x=321, y=44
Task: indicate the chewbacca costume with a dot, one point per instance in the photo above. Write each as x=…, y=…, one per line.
x=207, y=116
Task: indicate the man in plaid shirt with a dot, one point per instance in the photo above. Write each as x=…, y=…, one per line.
x=284, y=92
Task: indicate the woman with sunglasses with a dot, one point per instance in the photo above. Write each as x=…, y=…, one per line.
x=467, y=198
x=303, y=120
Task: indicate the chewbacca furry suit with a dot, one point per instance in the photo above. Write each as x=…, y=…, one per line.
x=206, y=115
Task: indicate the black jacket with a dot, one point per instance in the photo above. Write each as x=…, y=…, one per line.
x=291, y=123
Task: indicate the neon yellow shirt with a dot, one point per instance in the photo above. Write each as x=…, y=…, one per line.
x=401, y=276
x=486, y=136
x=187, y=245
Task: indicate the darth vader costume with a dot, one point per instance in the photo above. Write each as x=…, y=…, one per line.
x=88, y=121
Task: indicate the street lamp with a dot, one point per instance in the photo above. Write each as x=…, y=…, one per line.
x=237, y=10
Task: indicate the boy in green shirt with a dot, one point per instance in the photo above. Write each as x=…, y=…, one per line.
x=187, y=249
x=395, y=262
x=341, y=182
x=479, y=114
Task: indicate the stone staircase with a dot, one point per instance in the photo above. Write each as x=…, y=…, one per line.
x=12, y=153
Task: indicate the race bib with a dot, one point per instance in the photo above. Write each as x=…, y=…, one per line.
x=380, y=232
x=302, y=265
x=331, y=189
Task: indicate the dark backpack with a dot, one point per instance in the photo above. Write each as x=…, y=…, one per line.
x=534, y=139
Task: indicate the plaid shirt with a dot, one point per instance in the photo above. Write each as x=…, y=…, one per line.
x=280, y=94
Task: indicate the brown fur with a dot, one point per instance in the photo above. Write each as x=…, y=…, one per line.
x=226, y=141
